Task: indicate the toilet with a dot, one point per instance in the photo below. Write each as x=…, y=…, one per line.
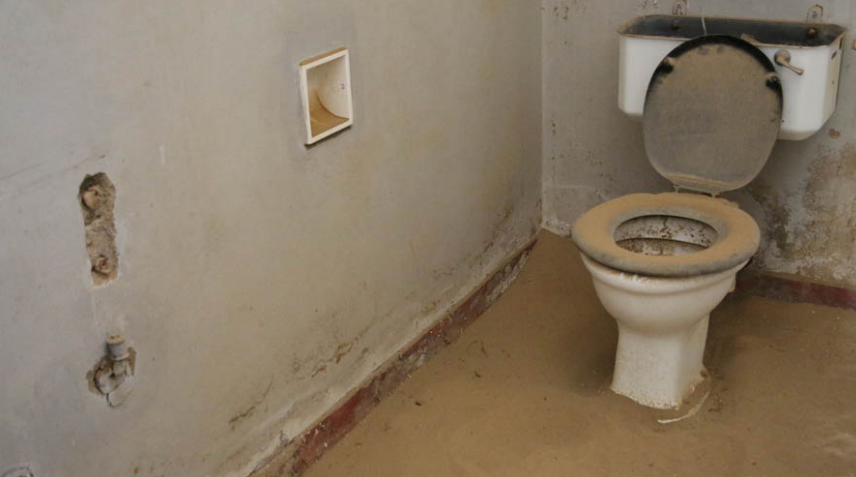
x=661, y=263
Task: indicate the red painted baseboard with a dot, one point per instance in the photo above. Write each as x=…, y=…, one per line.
x=296, y=456
x=794, y=290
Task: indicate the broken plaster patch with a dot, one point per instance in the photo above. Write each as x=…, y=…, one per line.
x=113, y=379
x=96, y=197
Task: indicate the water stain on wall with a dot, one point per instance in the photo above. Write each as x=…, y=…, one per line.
x=817, y=238
x=775, y=231
x=831, y=215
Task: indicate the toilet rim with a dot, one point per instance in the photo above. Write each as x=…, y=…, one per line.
x=738, y=234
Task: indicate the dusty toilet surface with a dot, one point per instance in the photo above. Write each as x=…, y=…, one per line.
x=525, y=391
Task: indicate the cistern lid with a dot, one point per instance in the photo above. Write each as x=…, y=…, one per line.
x=712, y=114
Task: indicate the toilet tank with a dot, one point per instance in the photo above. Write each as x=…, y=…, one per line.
x=815, y=48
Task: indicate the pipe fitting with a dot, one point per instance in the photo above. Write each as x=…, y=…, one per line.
x=118, y=347
x=113, y=376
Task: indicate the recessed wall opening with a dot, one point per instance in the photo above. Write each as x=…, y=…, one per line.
x=325, y=82
x=96, y=198
x=664, y=235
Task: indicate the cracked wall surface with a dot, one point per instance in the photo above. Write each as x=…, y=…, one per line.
x=802, y=200
x=259, y=281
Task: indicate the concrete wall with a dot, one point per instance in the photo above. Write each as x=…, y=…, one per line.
x=804, y=199
x=259, y=281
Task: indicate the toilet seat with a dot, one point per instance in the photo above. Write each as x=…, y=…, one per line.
x=738, y=234
x=712, y=114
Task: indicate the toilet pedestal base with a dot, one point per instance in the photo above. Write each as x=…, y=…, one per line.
x=659, y=370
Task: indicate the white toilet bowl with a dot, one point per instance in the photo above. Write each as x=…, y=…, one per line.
x=662, y=327
x=660, y=264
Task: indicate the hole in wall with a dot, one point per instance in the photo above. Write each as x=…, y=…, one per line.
x=96, y=198
x=664, y=235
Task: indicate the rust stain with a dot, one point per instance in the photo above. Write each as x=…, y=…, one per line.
x=834, y=133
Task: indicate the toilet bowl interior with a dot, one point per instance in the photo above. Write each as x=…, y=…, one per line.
x=664, y=235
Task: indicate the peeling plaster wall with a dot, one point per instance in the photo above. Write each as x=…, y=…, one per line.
x=259, y=281
x=804, y=199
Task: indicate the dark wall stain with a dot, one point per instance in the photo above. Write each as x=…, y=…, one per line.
x=775, y=231
x=818, y=239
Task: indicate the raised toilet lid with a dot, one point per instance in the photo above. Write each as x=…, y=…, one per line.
x=712, y=114
x=738, y=234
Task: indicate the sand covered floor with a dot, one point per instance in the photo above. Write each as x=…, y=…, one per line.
x=525, y=392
